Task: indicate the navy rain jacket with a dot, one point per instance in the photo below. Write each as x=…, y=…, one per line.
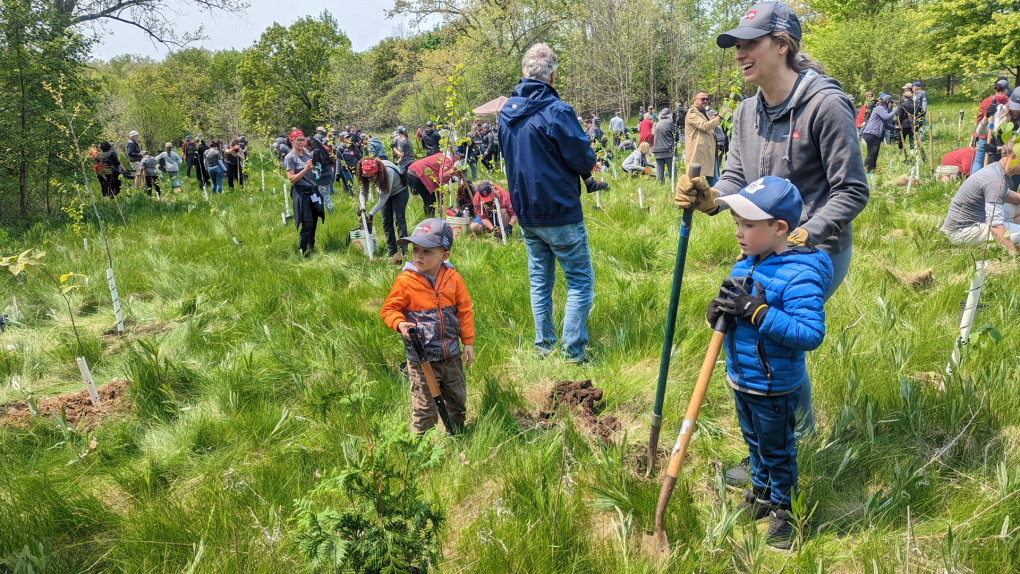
x=546, y=153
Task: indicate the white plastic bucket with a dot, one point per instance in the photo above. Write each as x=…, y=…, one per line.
x=947, y=173
x=459, y=225
x=359, y=238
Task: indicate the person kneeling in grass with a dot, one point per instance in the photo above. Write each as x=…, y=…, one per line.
x=430, y=295
x=486, y=219
x=774, y=298
x=984, y=209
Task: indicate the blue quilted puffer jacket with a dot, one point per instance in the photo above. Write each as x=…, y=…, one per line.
x=770, y=359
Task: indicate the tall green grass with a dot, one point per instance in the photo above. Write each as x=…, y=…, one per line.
x=239, y=359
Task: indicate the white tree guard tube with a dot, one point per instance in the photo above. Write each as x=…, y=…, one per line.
x=977, y=284
x=205, y=193
x=640, y=199
x=86, y=240
x=116, y=299
x=499, y=216
x=368, y=237
x=87, y=376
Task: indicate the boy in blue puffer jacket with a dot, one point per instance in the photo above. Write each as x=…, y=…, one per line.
x=774, y=294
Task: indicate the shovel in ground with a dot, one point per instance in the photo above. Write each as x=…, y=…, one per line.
x=693, y=171
x=430, y=378
x=656, y=544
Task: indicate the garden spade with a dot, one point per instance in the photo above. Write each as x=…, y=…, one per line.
x=693, y=171
x=430, y=378
x=657, y=544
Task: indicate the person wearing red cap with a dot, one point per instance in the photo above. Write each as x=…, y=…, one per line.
x=393, y=196
x=304, y=193
x=486, y=220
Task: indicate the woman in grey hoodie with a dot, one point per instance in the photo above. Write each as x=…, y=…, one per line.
x=799, y=126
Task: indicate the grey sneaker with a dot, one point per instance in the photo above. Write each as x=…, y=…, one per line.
x=756, y=505
x=782, y=535
x=739, y=475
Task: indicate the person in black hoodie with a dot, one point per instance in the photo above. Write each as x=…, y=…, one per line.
x=430, y=139
x=905, y=118
x=799, y=126
x=134, y=156
x=200, y=168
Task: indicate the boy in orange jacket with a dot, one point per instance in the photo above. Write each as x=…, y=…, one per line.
x=430, y=295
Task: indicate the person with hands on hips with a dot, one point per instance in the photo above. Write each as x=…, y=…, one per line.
x=800, y=127
x=430, y=295
x=774, y=295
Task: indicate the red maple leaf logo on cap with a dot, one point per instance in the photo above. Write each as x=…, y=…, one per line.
x=751, y=15
x=796, y=135
x=426, y=228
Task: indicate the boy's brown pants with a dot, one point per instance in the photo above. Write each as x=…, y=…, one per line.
x=452, y=386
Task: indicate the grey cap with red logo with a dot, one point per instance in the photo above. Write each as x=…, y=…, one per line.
x=430, y=233
x=761, y=19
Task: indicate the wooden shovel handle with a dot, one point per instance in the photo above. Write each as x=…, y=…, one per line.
x=687, y=428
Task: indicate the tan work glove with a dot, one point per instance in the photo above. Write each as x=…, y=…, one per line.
x=695, y=193
x=798, y=238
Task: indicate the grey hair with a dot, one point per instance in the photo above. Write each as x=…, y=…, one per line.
x=539, y=63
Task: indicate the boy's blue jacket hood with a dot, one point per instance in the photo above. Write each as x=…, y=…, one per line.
x=546, y=151
x=770, y=359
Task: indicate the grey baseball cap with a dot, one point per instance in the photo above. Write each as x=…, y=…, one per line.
x=430, y=233
x=1014, y=101
x=761, y=19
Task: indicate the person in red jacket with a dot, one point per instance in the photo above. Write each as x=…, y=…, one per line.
x=645, y=130
x=1001, y=97
x=486, y=220
x=430, y=296
x=426, y=175
x=962, y=158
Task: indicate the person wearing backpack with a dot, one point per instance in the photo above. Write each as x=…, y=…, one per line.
x=322, y=169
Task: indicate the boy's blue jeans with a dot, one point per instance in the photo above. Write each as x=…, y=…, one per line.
x=567, y=244
x=767, y=424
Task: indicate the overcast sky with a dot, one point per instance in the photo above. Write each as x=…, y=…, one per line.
x=364, y=21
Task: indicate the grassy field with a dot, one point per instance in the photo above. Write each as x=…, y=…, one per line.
x=253, y=377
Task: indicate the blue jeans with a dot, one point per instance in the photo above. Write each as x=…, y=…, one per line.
x=840, y=267
x=567, y=244
x=174, y=178
x=348, y=180
x=979, y=156
x=767, y=425
x=711, y=181
x=216, y=176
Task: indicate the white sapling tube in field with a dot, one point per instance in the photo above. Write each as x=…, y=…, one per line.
x=116, y=299
x=499, y=217
x=206, y=193
x=640, y=199
x=87, y=376
x=368, y=237
x=977, y=283
x=86, y=240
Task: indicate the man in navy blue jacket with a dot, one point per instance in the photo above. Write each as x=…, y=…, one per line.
x=547, y=158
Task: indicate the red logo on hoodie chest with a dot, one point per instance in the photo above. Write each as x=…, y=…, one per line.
x=795, y=135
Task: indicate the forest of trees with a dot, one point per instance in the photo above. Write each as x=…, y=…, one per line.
x=613, y=54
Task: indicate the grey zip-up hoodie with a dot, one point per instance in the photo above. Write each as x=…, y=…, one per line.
x=814, y=144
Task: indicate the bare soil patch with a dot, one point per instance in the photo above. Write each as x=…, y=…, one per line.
x=77, y=406
x=581, y=399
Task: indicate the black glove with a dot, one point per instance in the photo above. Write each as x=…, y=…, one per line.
x=751, y=308
x=717, y=308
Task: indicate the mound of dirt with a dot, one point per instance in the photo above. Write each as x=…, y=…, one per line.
x=77, y=406
x=581, y=399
